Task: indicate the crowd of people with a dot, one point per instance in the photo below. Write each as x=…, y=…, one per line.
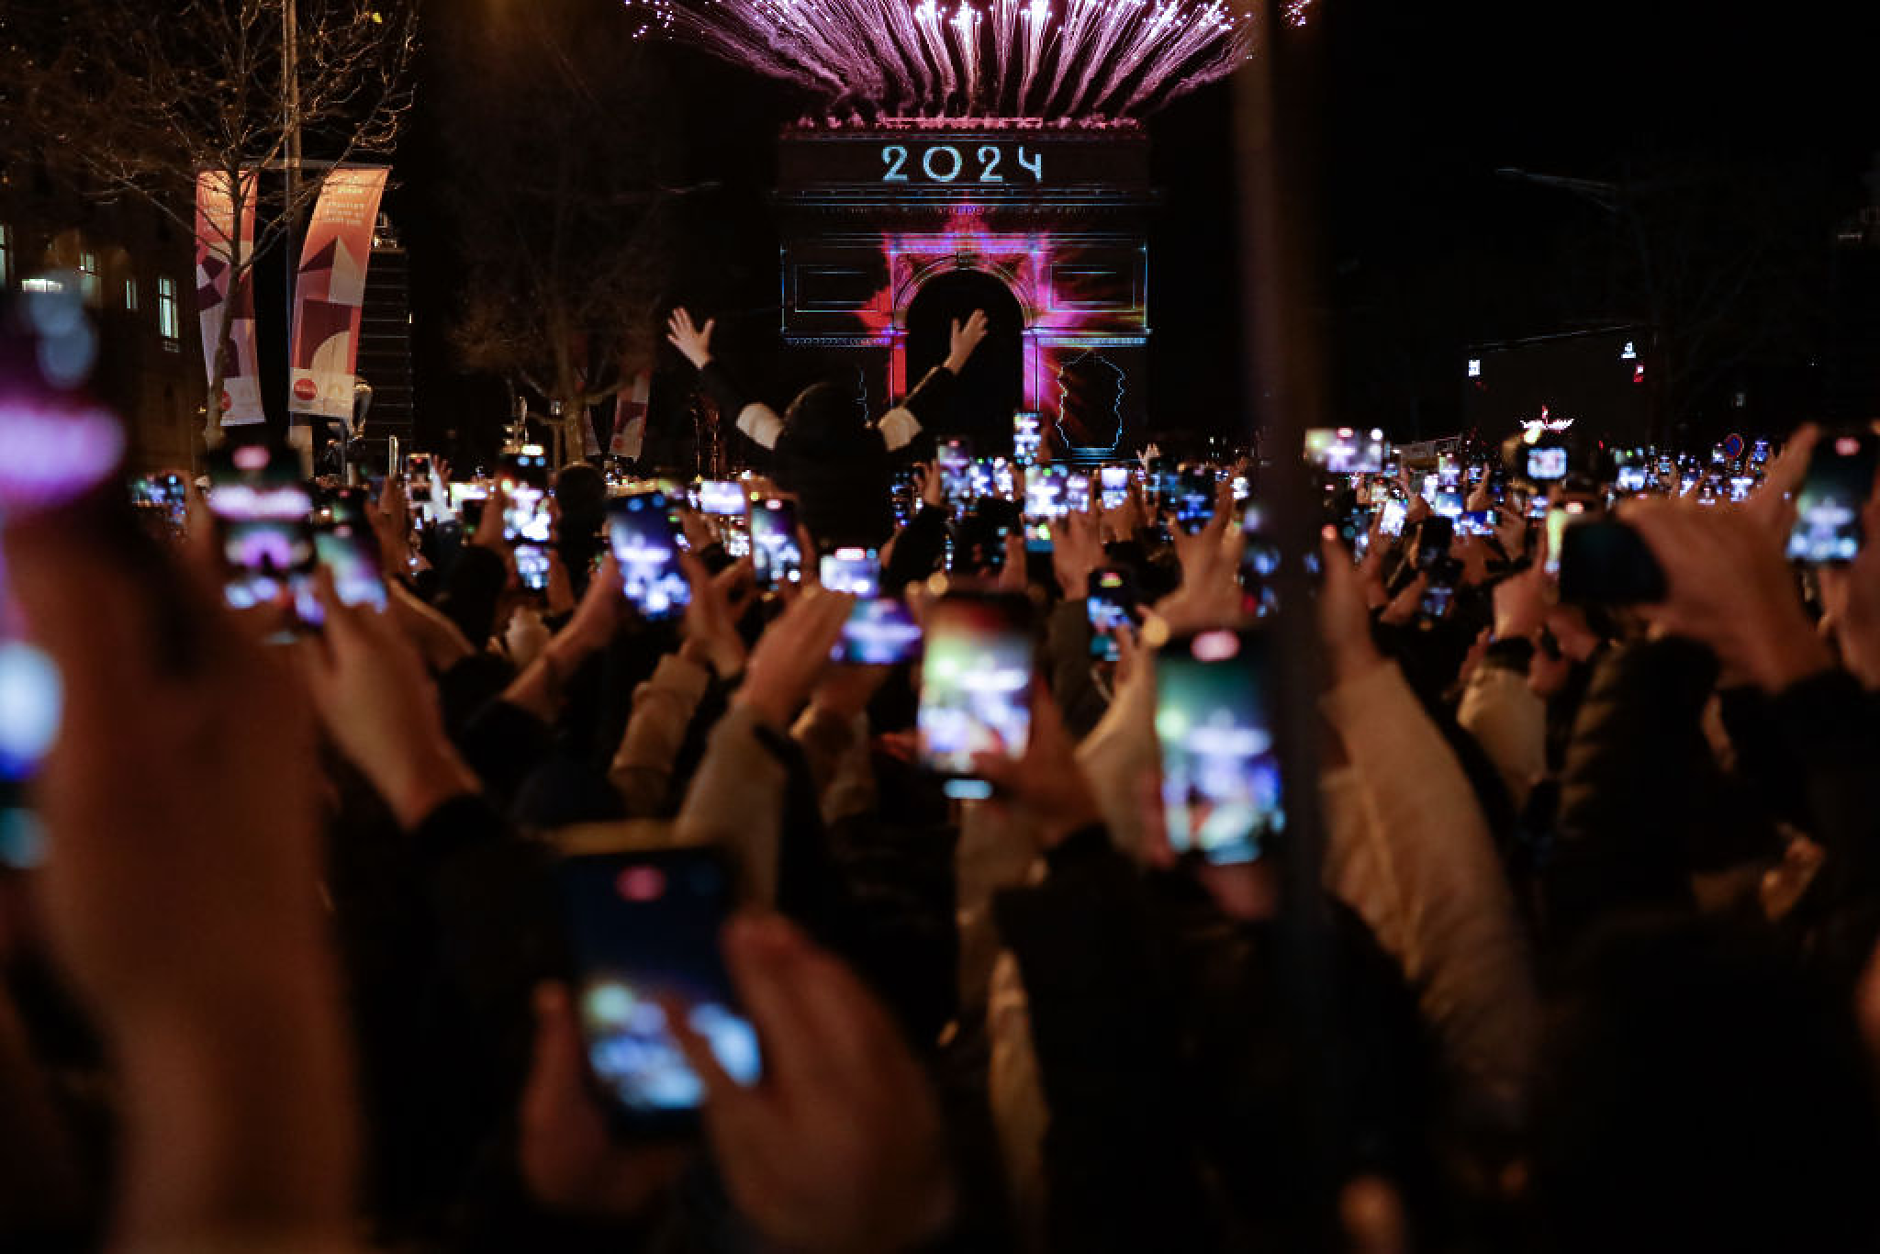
x=489, y=903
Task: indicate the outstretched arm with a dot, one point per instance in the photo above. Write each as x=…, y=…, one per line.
x=901, y=424
x=694, y=342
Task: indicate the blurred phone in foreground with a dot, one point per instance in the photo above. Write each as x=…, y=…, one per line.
x=975, y=691
x=643, y=929
x=1605, y=562
x=262, y=509
x=776, y=550
x=352, y=555
x=645, y=539
x=1834, y=491
x=1213, y=721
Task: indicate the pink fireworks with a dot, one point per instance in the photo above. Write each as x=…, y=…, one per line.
x=1043, y=59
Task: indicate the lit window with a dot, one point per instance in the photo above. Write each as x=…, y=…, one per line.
x=88, y=276
x=169, y=326
x=6, y=255
x=130, y=295
x=42, y=283
x=1475, y=367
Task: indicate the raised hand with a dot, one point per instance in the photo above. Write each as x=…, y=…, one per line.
x=711, y=620
x=1344, y=613
x=567, y=1158
x=693, y=342
x=1046, y=783
x=791, y=654
x=840, y=1147
x=966, y=338
x=380, y=710
x=1729, y=589
x=1076, y=550
x=181, y=895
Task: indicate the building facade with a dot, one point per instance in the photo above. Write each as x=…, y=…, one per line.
x=134, y=267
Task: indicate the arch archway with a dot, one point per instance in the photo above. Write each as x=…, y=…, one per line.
x=992, y=387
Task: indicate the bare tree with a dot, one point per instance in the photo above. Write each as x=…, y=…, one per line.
x=558, y=134
x=141, y=99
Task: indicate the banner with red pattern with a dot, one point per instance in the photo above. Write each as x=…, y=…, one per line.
x=330, y=291
x=217, y=247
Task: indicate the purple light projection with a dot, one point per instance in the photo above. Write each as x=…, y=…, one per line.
x=1083, y=62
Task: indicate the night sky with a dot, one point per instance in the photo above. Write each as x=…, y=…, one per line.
x=1428, y=249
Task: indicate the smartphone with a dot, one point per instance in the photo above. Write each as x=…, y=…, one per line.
x=1390, y=517
x=1630, y=478
x=643, y=932
x=776, y=551
x=1076, y=492
x=528, y=466
x=1026, y=438
x=1113, y=484
x=1193, y=503
x=1345, y=451
x=854, y=571
x=1480, y=522
x=1558, y=518
x=955, y=461
x=351, y=554
x=532, y=567
x=1213, y=722
x=418, y=478
x=1835, y=489
x=1434, y=537
x=880, y=632
x=975, y=691
x=644, y=535
x=721, y=498
x=1110, y=600
x=1447, y=503
x=526, y=518
x=1605, y=562
x=1547, y=463
x=262, y=510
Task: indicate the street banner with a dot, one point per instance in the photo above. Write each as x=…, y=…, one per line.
x=630, y=416
x=330, y=290
x=217, y=246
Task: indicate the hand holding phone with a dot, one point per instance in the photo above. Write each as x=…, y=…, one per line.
x=976, y=678
x=1213, y=720
x=644, y=932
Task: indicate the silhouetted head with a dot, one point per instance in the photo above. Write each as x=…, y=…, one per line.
x=825, y=415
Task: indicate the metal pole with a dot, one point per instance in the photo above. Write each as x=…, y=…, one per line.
x=290, y=119
x=1276, y=150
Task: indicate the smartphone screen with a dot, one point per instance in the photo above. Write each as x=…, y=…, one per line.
x=1546, y=465
x=975, y=693
x=1835, y=490
x=262, y=509
x=643, y=929
x=880, y=632
x=1213, y=721
x=526, y=518
x=352, y=555
x=1194, y=498
x=1345, y=451
x=721, y=498
x=1479, y=522
x=1390, y=518
x=854, y=571
x=528, y=466
x=955, y=459
x=1026, y=438
x=1113, y=481
x=1110, y=601
x=532, y=567
x=776, y=552
x=418, y=478
x=1076, y=492
x=645, y=540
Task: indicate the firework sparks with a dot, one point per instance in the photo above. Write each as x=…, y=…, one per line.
x=1068, y=60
